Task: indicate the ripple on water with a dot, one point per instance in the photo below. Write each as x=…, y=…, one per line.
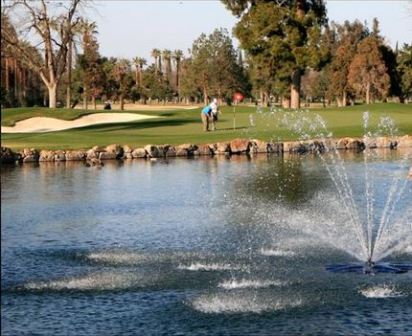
x=277, y=252
x=251, y=283
x=94, y=281
x=198, y=266
x=242, y=303
x=117, y=257
x=380, y=292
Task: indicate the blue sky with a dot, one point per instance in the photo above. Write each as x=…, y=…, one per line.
x=134, y=28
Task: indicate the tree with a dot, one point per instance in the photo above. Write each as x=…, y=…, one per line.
x=214, y=65
x=139, y=63
x=156, y=55
x=153, y=86
x=90, y=61
x=348, y=36
x=167, y=58
x=367, y=71
x=121, y=74
x=52, y=24
x=177, y=57
x=19, y=84
x=284, y=35
x=404, y=59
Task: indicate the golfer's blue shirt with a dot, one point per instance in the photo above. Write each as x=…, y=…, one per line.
x=206, y=109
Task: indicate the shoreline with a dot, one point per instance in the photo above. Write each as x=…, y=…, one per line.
x=95, y=155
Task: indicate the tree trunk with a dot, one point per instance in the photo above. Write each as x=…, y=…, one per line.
x=368, y=87
x=7, y=74
x=205, y=101
x=295, y=90
x=94, y=102
x=344, y=98
x=15, y=79
x=121, y=102
x=265, y=99
x=52, y=95
x=85, y=102
x=69, y=75
x=177, y=79
x=285, y=102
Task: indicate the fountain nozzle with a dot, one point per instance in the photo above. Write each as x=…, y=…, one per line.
x=368, y=267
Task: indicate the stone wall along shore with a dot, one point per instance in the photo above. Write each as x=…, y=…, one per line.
x=234, y=147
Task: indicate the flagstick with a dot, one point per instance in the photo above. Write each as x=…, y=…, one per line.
x=234, y=116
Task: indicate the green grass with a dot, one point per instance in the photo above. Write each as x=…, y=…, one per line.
x=184, y=126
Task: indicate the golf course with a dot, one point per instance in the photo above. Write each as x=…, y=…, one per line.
x=184, y=126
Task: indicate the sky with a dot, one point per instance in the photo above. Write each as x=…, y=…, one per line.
x=133, y=28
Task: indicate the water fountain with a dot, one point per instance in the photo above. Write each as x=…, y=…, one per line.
x=373, y=235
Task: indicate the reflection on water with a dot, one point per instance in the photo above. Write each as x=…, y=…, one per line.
x=200, y=246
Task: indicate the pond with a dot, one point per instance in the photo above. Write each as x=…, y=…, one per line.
x=199, y=247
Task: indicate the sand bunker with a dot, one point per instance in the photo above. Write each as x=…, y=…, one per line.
x=43, y=124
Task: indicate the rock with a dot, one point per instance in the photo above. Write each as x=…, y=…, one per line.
x=139, y=153
x=380, y=142
x=163, y=150
x=274, y=147
x=317, y=146
x=75, y=155
x=205, y=150
x=7, y=155
x=152, y=151
x=258, y=146
x=170, y=152
x=404, y=141
x=30, y=158
x=189, y=148
x=293, y=147
x=182, y=151
x=341, y=144
x=31, y=154
x=60, y=156
x=186, y=150
x=330, y=144
x=355, y=144
x=46, y=156
x=115, y=150
x=127, y=149
x=410, y=173
x=108, y=156
x=222, y=148
x=239, y=146
x=91, y=154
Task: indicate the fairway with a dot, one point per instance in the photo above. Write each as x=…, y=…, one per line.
x=184, y=126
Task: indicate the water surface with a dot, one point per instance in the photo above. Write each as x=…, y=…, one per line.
x=191, y=247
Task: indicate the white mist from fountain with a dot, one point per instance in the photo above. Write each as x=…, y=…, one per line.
x=363, y=228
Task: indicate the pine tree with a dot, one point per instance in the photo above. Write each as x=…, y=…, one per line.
x=283, y=35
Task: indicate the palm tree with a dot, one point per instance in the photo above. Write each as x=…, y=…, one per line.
x=88, y=29
x=167, y=57
x=139, y=62
x=120, y=71
x=156, y=55
x=177, y=56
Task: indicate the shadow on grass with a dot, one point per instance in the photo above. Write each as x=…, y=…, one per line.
x=134, y=125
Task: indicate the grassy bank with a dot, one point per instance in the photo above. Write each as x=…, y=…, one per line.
x=184, y=126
